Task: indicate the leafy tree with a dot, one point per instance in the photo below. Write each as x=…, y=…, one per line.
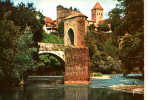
x=52, y=38
x=127, y=19
x=75, y=9
x=61, y=28
x=103, y=27
x=18, y=36
x=71, y=8
x=116, y=20
x=102, y=52
x=47, y=59
x=8, y=35
x=49, y=65
x=91, y=28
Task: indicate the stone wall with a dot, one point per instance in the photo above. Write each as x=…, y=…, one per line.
x=63, y=13
x=78, y=25
x=76, y=66
x=50, y=47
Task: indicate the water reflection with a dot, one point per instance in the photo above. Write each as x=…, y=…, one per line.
x=66, y=93
x=108, y=94
x=43, y=91
x=76, y=93
x=13, y=94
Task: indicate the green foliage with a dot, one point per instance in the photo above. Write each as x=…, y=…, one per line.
x=23, y=58
x=47, y=59
x=132, y=53
x=127, y=19
x=110, y=48
x=50, y=63
x=55, y=61
x=52, y=38
x=116, y=20
x=96, y=74
x=103, y=53
x=61, y=28
x=19, y=33
x=91, y=28
x=103, y=27
x=8, y=35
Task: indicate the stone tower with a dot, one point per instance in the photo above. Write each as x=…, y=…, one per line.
x=76, y=53
x=97, y=13
x=64, y=12
x=74, y=30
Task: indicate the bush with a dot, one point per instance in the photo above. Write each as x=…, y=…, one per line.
x=97, y=74
x=52, y=38
x=61, y=28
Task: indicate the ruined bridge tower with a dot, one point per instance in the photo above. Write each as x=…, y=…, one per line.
x=76, y=54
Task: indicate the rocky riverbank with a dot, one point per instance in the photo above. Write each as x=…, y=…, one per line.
x=129, y=88
x=101, y=77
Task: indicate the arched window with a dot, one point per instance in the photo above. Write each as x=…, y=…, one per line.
x=71, y=36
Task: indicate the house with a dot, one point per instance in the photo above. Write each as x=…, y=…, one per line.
x=50, y=25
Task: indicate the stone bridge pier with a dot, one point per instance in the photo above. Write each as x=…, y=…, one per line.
x=76, y=54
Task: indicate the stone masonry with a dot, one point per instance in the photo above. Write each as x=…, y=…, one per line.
x=76, y=55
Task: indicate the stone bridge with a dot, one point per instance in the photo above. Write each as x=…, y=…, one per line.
x=53, y=49
x=74, y=53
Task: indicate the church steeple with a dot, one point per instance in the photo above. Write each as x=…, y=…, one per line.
x=97, y=12
x=98, y=6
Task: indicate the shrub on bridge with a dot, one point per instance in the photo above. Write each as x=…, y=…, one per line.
x=52, y=38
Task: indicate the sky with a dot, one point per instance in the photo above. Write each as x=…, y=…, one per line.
x=48, y=7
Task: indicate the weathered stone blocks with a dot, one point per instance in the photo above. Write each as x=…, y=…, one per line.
x=76, y=65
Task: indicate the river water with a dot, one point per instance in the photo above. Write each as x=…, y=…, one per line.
x=97, y=90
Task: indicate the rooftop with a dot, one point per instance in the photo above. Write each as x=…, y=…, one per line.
x=77, y=14
x=47, y=20
x=98, y=6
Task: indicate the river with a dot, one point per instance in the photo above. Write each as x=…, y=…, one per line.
x=97, y=90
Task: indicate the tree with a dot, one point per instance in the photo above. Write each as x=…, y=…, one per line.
x=103, y=27
x=128, y=27
x=91, y=28
x=18, y=36
x=61, y=28
x=116, y=20
x=52, y=38
x=103, y=53
x=23, y=60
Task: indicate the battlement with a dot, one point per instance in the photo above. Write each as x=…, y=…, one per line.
x=63, y=12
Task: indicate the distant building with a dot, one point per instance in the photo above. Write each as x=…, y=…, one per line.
x=90, y=22
x=96, y=20
x=50, y=25
x=97, y=14
x=64, y=12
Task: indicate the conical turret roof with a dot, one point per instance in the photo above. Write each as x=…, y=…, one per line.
x=98, y=6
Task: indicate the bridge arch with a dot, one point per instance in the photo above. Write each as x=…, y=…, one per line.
x=58, y=54
x=48, y=68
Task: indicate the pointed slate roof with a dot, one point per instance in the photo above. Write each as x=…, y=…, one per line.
x=98, y=6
